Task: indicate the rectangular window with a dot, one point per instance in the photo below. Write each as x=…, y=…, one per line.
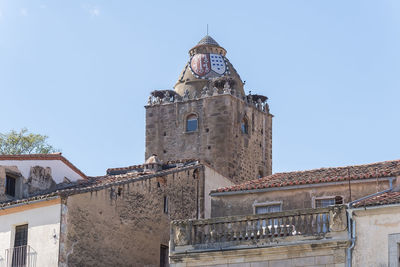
x=323, y=203
x=20, y=246
x=10, y=186
x=165, y=204
x=164, y=262
x=268, y=209
x=21, y=235
x=262, y=209
x=326, y=202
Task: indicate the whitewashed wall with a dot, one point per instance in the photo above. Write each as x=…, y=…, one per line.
x=213, y=180
x=373, y=227
x=43, y=224
x=59, y=169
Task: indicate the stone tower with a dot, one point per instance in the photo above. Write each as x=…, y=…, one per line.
x=209, y=117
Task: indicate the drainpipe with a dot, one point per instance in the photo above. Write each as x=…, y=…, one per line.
x=351, y=228
x=352, y=225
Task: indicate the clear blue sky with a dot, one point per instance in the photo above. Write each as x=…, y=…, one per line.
x=81, y=71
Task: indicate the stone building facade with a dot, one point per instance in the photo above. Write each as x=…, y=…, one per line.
x=306, y=189
x=209, y=117
x=119, y=219
x=124, y=220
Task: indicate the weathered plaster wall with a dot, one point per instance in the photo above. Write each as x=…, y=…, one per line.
x=218, y=140
x=373, y=227
x=43, y=231
x=59, y=169
x=300, y=198
x=107, y=228
x=38, y=179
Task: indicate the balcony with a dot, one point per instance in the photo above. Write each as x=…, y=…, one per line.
x=23, y=256
x=289, y=228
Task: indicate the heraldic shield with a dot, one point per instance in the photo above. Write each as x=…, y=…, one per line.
x=217, y=63
x=202, y=64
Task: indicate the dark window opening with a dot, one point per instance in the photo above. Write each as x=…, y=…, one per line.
x=338, y=200
x=20, y=246
x=244, y=126
x=165, y=204
x=10, y=186
x=164, y=256
x=119, y=192
x=191, y=123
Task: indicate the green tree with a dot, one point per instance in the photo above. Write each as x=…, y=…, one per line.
x=23, y=142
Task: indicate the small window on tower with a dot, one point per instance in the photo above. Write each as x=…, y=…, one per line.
x=244, y=126
x=191, y=123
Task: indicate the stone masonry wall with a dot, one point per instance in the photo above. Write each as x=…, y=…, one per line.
x=218, y=140
x=125, y=226
x=295, y=255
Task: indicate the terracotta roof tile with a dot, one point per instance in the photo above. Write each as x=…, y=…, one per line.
x=323, y=175
x=385, y=198
x=122, y=170
x=101, y=182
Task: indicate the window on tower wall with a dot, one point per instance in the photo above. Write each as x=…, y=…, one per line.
x=191, y=123
x=244, y=126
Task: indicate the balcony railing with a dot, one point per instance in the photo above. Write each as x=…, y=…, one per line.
x=216, y=233
x=23, y=256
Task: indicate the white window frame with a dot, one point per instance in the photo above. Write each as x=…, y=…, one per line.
x=314, y=199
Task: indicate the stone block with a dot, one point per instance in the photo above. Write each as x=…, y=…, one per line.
x=243, y=264
x=259, y=264
x=307, y=261
x=324, y=260
x=281, y=263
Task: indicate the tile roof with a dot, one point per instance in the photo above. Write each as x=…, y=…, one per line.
x=207, y=40
x=140, y=168
x=385, y=198
x=52, y=156
x=101, y=182
x=323, y=175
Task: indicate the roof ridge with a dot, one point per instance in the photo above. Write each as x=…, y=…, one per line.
x=321, y=175
x=338, y=167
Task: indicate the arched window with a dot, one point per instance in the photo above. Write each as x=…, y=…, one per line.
x=191, y=123
x=244, y=126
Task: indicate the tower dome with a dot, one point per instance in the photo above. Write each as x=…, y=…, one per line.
x=208, y=67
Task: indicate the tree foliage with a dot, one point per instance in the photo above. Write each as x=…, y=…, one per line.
x=23, y=142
